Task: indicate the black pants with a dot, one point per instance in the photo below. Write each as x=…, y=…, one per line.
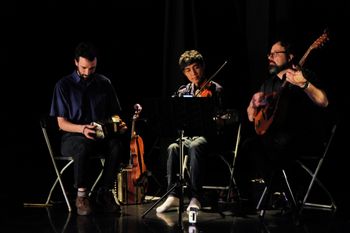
x=262, y=157
x=82, y=148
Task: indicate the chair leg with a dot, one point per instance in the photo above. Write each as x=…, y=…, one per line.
x=102, y=160
x=232, y=187
x=314, y=179
x=233, y=184
x=58, y=174
x=262, y=198
x=268, y=192
x=289, y=188
x=58, y=179
x=313, y=175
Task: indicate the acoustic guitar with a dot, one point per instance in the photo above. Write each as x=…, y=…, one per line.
x=265, y=115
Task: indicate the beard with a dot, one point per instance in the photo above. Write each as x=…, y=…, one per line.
x=275, y=69
x=84, y=76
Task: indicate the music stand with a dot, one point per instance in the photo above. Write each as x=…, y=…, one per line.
x=193, y=116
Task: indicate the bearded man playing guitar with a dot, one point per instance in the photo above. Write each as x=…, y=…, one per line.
x=283, y=72
x=286, y=111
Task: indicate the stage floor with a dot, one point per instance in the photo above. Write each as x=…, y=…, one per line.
x=142, y=218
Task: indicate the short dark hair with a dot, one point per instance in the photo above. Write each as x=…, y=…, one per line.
x=189, y=57
x=86, y=50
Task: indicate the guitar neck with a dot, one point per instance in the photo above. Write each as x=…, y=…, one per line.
x=303, y=59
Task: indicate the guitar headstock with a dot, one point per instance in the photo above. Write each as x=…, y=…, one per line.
x=317, y=44
x=320, y=40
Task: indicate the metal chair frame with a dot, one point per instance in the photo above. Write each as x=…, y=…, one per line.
x=231, y=166
x=303, y=203
x=59, y=172
x=313, y=173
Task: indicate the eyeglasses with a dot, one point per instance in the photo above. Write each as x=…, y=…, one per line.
x=274, y=54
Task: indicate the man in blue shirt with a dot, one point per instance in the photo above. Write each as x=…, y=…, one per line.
x=79, y=99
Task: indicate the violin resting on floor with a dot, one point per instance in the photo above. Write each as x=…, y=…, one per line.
x=132, y=182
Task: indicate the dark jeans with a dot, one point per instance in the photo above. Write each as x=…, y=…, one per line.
x=82, y=149
x=196, y=148
x=268, y=153
x=261, y=157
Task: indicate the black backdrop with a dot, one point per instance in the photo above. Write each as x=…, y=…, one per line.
x=139, y=43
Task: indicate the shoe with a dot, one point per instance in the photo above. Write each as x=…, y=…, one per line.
x=279, y=201
x=106, y=202
x=170, y=202
x=194, y=203
x=83, y=206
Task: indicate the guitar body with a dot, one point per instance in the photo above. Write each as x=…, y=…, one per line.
x=265, y=115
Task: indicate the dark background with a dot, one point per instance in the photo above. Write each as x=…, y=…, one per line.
x=139, y=43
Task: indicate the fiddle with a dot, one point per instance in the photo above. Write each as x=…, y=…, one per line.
x=205, y=90
x=137, y=164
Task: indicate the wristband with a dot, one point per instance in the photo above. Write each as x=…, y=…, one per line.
x=306, y=85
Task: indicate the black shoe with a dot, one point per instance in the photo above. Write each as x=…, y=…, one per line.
x=106, y=202
x=279, y=201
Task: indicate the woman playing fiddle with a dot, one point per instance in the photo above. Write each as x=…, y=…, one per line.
x=196, y=147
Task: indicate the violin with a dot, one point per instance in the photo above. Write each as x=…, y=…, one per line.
x=137, y=181
x=205, y=90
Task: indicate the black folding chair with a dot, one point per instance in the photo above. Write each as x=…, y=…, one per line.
x=312, y=169
x=51, y=135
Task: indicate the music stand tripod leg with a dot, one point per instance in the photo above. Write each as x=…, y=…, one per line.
x=160, y=199
x=181, y=178
x=180, y=183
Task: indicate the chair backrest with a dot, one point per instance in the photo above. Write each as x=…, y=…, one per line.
x=50, y=130
x=320, y=147
x=227, y=131
x=328, y=142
